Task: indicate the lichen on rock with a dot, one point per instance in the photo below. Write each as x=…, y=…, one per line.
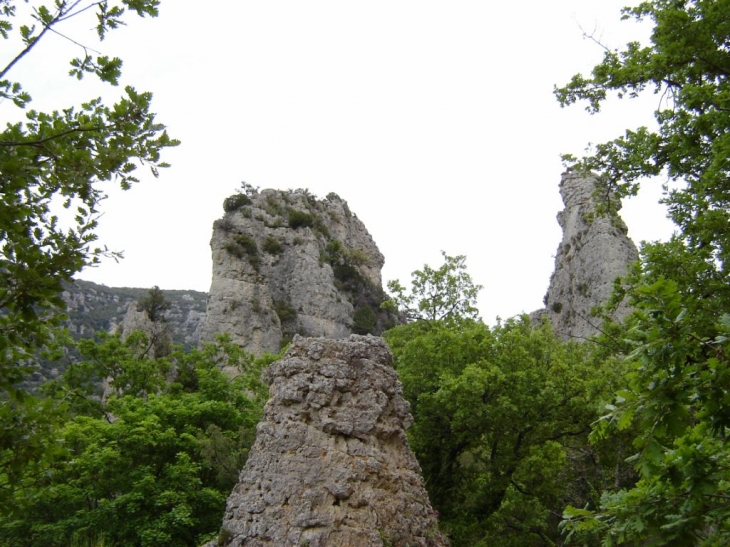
x=331, y=465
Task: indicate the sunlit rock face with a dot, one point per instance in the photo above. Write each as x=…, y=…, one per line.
x=595, y=250
x=286, y=263
x=331, y=465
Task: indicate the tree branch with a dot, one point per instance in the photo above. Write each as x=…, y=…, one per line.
x=52, y=137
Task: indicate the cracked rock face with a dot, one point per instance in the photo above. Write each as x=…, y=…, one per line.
x=331, y=465
x=595, y=250
x=286, y=263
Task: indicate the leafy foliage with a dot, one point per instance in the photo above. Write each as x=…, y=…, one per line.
x=502, y=415
x=437, y=295
x=300, y=219
x=676, y=343
x=61, y=156
x=501, y=422
x=235, y=202
x=153, y=465
x=154, y=304
x=243, y=245
x=272, y=245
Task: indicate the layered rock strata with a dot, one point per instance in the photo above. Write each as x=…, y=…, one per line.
x=331, y=465
x=595, y=250
x=286, y=263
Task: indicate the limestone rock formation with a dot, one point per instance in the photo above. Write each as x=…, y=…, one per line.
x=331, y=464
x=595, y=250
x=286, y=263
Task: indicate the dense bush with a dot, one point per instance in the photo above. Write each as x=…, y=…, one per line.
x=242, y=246
x=364, y=320
x=156, y=474
x=300, y=219
x=272, y=246
x=284, y=311
x=235, y=202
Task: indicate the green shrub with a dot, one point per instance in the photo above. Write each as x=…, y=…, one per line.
x=244, y=245
x=272, y=246
x=272, y=206
x=235, y=202
x=284, y=311
x=557, y=307
x=300, y=219
x=364, y=320
x=320, y=227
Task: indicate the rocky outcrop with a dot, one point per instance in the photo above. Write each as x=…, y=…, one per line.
x=595, y=250
x=331, y=464
x=286, y=263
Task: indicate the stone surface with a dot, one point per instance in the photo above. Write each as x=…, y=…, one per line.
x=595, y=250
x=274, y=274
x=331, y=465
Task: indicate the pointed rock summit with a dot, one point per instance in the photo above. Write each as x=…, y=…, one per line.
x=595, y=250
x=331, y=465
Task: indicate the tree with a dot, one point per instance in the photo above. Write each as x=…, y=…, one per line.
x=501, y=419
x=63, y=157
x=154, y=464
x=677, y=341
x=445, y=294
x=154, y=304
x=501, y=415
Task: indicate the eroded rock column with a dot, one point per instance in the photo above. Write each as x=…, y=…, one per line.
x=331, y=465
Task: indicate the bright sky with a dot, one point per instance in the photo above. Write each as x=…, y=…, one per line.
x=435, y=120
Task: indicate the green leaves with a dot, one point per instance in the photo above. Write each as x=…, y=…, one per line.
x=675, y=402
x=501, y=420
x=149, y=466
x=64, y=154
x=444, y=294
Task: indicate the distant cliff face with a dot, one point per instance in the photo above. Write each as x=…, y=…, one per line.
x=595, y=250
x=286, y=263
x=331, y=466
x=92, y=307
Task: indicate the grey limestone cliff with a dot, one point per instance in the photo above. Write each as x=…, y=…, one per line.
x=331, y=465
x=286, y=263
x=594, y=251
x=92, y=307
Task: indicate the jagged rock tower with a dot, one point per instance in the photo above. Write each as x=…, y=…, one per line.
x=331, y=466
x=286, y=263
x=595, y=250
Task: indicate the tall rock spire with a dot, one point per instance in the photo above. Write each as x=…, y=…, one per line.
x=595, y=250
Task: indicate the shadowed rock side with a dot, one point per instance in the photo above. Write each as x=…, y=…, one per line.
x=595, y=250
x=331, y=465
x=286, y=263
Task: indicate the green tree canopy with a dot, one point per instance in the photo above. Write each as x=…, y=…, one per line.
x=502, y=417
x=153, y=465
x=443, y=294
x=502, y=414
x=677, y=340
x=61, y=157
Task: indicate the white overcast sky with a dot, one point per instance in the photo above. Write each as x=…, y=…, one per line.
x=435, y=120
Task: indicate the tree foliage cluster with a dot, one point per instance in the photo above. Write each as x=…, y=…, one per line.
x=502, y=415
x=151, y=464
x=63, y=156
x=676, y=395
